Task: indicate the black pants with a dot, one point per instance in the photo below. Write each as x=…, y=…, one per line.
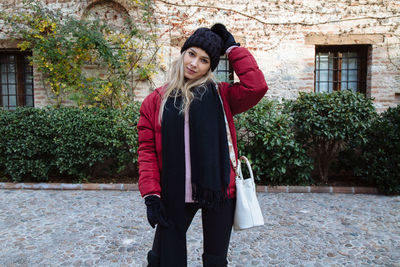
x=217, y=227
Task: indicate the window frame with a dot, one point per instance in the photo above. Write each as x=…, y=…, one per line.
x=21, y=63
x=338, y=50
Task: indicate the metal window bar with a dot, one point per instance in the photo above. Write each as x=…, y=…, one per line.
x=338, y=71
x=348, y=70
x=329, y=71
x=27, y=82
x=224, y=71
x=16, y=80
x=317, y=72
x=8, y=81
x=352, y=70
x=324, y=72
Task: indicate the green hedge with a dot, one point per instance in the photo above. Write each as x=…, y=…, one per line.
x=26, y=148
x=326, y=124
x=281, y=140
x=380, y=154
x=67, y=141
x=266, y=137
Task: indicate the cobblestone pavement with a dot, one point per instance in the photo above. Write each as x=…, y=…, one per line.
x=109, y=228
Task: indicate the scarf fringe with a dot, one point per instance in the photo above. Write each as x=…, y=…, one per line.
x=208, y=198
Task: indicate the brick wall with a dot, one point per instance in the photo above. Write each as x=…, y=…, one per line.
x=281, y=34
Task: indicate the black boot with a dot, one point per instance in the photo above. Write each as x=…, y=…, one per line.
x=214, y=261
x=152, y=259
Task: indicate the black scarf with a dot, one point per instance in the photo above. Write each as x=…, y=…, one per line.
x=210, y=165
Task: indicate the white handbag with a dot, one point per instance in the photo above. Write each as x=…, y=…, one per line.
x=247, y=212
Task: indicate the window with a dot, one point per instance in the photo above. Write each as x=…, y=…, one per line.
x=16, y=80
x=341, y=68
x=224, y=70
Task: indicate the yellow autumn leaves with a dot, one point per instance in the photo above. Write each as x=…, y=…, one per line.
x=85, y=62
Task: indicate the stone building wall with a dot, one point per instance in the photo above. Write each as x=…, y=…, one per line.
x=281, y=34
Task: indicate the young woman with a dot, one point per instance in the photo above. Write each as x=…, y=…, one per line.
x=184, y=147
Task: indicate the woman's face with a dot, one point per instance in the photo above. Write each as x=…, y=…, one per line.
x=196, y=63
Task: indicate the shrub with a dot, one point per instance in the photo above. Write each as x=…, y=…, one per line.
x=380, y=156
x=326, y=123
x=266, y=138
x=68, y=141
x=25, y=147
x=127, y=126
x=84, y=137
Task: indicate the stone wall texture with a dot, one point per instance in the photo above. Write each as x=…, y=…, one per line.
x=281, y=34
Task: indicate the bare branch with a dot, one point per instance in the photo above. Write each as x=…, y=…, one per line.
x=274, y=23
x=389, y=57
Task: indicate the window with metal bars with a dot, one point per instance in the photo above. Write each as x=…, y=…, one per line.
x=224, y=70
x=16, y=80
x=341, y=68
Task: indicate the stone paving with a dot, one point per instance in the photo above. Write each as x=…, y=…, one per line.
x=109, y=228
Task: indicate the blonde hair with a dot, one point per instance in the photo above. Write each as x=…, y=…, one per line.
x=177, y=86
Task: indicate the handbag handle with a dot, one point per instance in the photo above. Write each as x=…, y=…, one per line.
x=243, y=158
x=232, y=154
x=236, y=163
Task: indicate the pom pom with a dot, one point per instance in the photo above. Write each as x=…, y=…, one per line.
x=221, y=30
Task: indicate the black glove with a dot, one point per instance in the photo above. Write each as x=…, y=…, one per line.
x=155, y=211
x=226, y=36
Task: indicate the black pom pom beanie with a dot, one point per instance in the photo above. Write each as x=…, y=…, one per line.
x=207, y=40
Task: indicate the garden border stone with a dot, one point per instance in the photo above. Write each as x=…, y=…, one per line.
x=134, y=187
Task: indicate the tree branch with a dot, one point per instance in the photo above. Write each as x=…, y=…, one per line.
x=389, y=56
x=273, y=23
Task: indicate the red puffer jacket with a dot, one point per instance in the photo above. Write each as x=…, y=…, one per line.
x=236, y=98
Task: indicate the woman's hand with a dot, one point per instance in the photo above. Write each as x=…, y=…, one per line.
x=155, y=211
x=225, y=35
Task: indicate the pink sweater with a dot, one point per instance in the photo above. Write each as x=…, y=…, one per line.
x=188, y=168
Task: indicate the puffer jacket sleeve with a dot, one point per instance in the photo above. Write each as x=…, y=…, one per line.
x=149, y=172
x=252, y=86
